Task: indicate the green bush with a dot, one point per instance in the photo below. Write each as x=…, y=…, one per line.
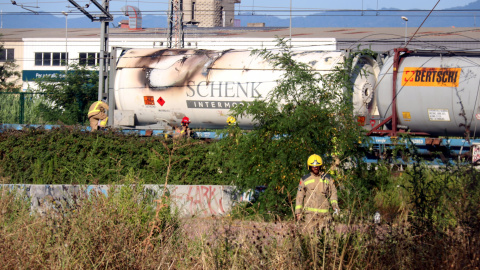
x=73, y=156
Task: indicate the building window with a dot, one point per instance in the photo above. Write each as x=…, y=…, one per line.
x=51, y=59
x=6, y=55
x=89, y=59
x=58, y=59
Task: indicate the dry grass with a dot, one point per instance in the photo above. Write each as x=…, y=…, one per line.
x=122, y=232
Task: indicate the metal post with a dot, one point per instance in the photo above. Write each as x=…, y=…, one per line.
x=406, y=26
x=175, y=24
x=103, y=75
x=290, y=23
x=66, y=41
x=22, y=108
x=170, y=25
x=111, y=93
x=396, y=64
x=181, y=34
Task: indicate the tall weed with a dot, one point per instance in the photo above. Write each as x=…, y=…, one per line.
x=98, y=232
x=10, y=108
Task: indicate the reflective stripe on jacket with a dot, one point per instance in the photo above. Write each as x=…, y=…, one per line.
x=316, y=194
x=97, y=107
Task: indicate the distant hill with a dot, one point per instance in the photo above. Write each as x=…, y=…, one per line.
x=473, y=5
x=368, y=18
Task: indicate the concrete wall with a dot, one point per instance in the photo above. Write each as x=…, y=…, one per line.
x=194, y=200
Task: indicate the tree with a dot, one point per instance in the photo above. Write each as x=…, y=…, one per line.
x=301, y=116
x=9, y=76
x=68, y=97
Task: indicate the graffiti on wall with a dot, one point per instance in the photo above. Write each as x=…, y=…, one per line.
x=202, y=200
x=195, y=200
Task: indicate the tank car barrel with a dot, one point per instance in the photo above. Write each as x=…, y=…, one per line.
x=158, y=87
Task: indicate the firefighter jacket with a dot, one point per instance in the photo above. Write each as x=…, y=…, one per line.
x=316, y=194
x=96, y=108
x=185, y=133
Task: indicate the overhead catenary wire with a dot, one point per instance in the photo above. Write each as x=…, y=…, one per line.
x=246, y=8
x=274, y=11
x=422, y=23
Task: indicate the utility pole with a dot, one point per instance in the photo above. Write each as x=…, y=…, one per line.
x=105, y=18
x=406, y=27
x=66, y=41
x=290, y=24
x=104, y=55
x=175, y=24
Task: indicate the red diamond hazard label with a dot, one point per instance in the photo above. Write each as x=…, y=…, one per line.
x=161, y=101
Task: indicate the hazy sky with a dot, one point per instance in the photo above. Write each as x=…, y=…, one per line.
x=354, y=4
x=56, y=6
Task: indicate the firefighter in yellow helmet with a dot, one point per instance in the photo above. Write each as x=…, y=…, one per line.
x=316, y=196
x=231, y=120
x=97, y=115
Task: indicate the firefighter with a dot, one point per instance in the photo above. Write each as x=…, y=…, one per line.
x=231, y=120
x=316, y=196
x=185, y=132
x=97, y=115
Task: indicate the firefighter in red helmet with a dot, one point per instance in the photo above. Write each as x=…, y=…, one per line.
x=316, y=196
x=185, y=132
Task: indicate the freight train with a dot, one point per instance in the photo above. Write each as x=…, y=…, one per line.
x=433, y=95
x=156, y=88
x=429, y=93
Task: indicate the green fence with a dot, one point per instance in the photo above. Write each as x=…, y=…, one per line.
x=20, y=108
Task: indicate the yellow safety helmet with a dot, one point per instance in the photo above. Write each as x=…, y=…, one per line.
x=314, y=160
x=231, y=120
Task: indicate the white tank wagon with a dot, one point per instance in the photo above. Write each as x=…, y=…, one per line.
x=158, y=87
x=437, y=93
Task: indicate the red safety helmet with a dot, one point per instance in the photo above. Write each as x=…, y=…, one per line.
x=185, y=120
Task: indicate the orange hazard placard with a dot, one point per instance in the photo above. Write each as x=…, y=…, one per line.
x=437, y=77
x=148, y=100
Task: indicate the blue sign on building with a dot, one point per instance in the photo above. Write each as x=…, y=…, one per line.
x=32, y=75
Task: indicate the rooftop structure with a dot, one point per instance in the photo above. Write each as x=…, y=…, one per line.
x=377, y=39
